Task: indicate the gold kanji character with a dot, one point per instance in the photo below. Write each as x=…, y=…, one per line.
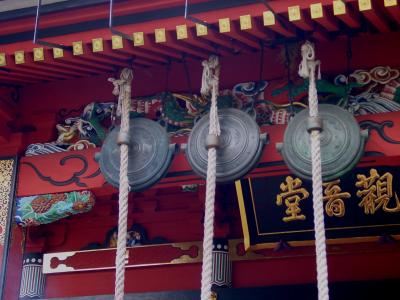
x=376, y=192
x=292, y=194
x=334, y=195
x=214, y=296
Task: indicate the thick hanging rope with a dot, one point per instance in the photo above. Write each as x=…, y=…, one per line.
x=307, y=70
x=122, y=87
x=210, y=83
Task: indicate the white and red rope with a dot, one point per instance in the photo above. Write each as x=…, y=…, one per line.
x=210, y=83
x=122, y=88
x=307, y=69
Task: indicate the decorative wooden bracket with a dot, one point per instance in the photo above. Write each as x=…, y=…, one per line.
x=139, y=256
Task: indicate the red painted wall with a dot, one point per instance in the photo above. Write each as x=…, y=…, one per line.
x=178, y=217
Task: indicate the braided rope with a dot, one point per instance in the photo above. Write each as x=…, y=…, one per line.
x=210, y=83
x=307, y=70
x=123, y=88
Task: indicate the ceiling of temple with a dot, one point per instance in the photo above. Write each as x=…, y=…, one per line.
x=77, y=41
x=8, y=5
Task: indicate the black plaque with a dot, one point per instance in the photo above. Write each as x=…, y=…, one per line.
x=364, y=203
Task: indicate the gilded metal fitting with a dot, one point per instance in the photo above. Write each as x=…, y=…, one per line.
x=212, y=141
x=314, y=123
x=123, y=138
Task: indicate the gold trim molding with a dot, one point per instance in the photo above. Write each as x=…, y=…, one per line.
x=6, y=177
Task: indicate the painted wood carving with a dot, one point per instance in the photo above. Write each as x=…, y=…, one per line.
x=269, y=103
x=44, y=209
x=59, y=172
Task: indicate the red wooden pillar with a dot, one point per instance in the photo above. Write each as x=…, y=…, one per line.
x=13, y=269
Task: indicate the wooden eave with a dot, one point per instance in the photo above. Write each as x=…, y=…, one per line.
x=161, y=33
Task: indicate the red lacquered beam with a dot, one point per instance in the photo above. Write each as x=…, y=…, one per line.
x=77, y=170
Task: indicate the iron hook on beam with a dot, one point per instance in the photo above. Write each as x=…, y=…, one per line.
x=194, y=19
x=111, y=24
x=36, y=39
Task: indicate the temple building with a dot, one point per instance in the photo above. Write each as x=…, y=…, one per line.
x=200, y=149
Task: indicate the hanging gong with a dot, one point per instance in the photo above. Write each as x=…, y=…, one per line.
x=342, y=143
x=150, y=154
x=240, y=145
